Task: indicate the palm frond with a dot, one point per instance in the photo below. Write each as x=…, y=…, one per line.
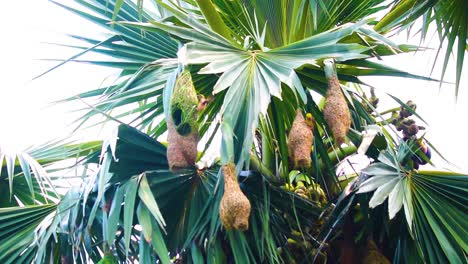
x=17, y=226
x=24, y=180
x=149, y=193
x=257, y=61
x=450, y=19
x=433, y=204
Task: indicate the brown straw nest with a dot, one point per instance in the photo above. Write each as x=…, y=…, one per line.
x=300, y=141
x=336, y=111
x=234, y=209
x=181, y=150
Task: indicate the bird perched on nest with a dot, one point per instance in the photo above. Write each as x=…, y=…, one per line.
x=300, y=140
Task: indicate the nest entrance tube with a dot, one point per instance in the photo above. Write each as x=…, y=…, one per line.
x=234, y=209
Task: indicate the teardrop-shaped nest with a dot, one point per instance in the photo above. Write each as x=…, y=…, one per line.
x=234, y=209
x=336, y=111
x=182, y=126
x=300, y=141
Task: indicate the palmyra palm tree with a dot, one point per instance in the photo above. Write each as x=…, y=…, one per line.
x=261, y=66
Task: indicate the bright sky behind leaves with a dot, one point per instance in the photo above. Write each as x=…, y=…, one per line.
x=27, y=117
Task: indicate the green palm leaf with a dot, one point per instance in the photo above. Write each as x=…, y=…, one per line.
x=450, y=18
x=17, y=225
x=156, y=193
x=261, y=60
x=434, y=205
x=24, y=179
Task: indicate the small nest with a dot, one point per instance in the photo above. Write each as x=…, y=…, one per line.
x=336, y=111
x=234, y=209
x=300, y=142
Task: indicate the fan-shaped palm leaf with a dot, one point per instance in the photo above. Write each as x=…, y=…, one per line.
x=434, y=204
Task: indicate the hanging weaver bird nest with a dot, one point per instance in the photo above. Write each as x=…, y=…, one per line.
x=234, y=209
x=336, y=111
x=300, y=140
x=182, y=126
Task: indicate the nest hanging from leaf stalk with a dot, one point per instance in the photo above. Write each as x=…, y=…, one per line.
x=300, y=141
x=182, y=126
x=336, y=111
x=234, y=209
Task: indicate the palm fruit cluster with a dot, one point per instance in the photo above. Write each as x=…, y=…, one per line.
x=300, y=141
x=336, y=111
x=402, y=122
x=300, y=245
x=308, y=189
x=234, y=209
x=305, y=243
x=373, y=100
x=322, y=220
x=182, y=126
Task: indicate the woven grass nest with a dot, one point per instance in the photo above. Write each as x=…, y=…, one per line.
x=336, y=111
x=234, y=209
x=300, y=141
x=182, y=124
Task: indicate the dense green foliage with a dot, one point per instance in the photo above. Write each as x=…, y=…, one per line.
x=260, y=61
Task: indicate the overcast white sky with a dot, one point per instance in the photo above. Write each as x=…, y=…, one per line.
x=27, y=118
